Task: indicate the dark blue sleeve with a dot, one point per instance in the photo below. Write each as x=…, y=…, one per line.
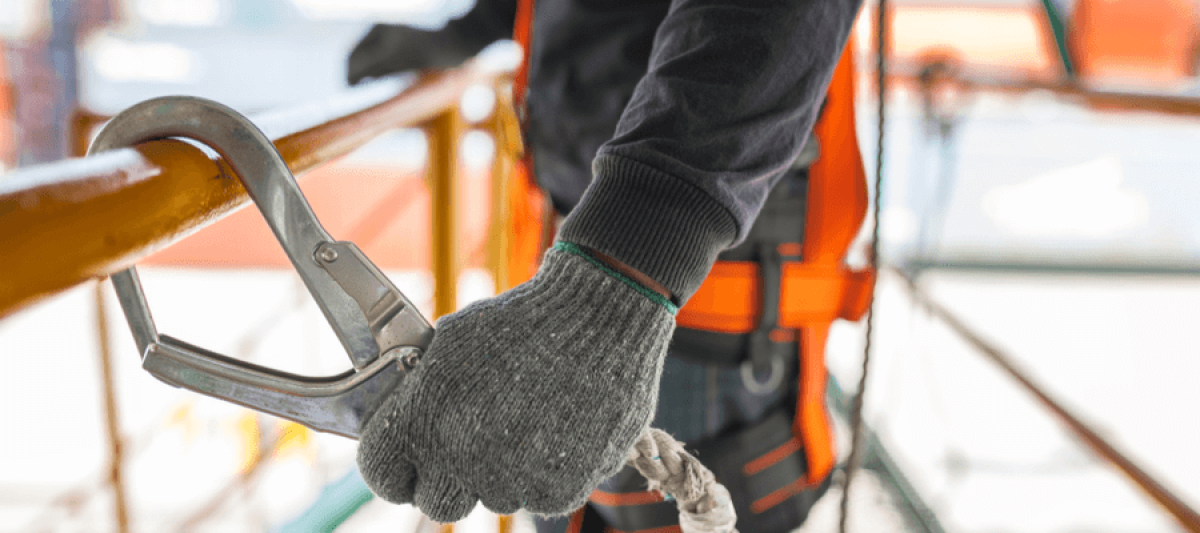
x=732, y=90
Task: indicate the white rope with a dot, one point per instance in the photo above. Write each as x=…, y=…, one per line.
x=704, y=505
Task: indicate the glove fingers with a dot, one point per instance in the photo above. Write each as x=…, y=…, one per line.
x=396, y=484
x=442, y=499
x=387, y=473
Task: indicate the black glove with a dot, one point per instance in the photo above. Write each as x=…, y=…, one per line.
x=388, y=49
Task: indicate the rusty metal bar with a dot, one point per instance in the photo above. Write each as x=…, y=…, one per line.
x=1093, y=96
x=73, y=220
x=504, y=524
x=505, y=129
x=1188, y=519
x=444, y=133
x=497, y=246
x=112, y=420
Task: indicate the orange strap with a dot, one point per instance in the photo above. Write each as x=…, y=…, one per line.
x=813, y=292
x=575, y=524
x=729, y=300
x=523, y=35
x=837, y=205
x=837, y=181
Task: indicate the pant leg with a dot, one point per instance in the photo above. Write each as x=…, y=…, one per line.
x=697, y=401
x=551, y=525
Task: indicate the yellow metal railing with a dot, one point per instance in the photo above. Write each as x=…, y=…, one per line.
x=67, y=222
x=74, y=220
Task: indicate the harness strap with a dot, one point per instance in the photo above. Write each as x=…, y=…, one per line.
x=837, y=203
x=738, y=296
x=523, y=35
x=730, y=299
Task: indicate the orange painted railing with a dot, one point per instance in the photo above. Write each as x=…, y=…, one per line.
x=74, y=220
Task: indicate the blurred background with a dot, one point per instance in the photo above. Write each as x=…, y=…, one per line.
x=1040, y=181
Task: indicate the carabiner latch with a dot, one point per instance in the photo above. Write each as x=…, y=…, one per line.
x=382, y=331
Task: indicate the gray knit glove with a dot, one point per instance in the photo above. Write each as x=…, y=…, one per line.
x=526, y=400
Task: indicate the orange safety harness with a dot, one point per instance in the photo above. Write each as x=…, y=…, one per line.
x=816, y=287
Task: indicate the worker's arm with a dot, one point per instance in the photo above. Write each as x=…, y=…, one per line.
x=733, y=88
x=532, y=398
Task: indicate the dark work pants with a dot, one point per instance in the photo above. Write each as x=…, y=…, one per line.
x=697, y=401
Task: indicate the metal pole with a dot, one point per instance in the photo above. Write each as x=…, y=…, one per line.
x=444, y=132
x=505, y=524
x=507, y=138
x=508, y=149
x=497, y=236
x=111, y=418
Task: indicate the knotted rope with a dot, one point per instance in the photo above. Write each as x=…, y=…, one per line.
x=704, y=505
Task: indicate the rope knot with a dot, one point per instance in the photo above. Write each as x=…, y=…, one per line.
x=704, y=505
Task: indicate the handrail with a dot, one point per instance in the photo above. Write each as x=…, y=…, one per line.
x=78, y=219
x=1092, y=95
x=977, y=263
x=1187, y=517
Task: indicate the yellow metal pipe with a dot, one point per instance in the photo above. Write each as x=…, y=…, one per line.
x=70, y=221
x=134, y=202
x=443, y=133
x=506, y=135
x=976, y=79
x=505, y=524
x=497, y=236
x=112, y=419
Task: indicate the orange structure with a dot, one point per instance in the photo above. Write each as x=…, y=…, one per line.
x=1009, y=38
x=1142, y=41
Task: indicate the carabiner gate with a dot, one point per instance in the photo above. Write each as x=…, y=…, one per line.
x=381, y=330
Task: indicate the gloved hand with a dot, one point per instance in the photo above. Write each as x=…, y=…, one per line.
x=526, y=400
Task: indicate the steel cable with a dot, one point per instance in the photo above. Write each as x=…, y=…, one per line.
x=856, y=410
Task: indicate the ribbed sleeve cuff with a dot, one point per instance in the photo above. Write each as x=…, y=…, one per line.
x=660, y=225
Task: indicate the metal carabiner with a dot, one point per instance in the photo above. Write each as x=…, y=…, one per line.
x=381, y=330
